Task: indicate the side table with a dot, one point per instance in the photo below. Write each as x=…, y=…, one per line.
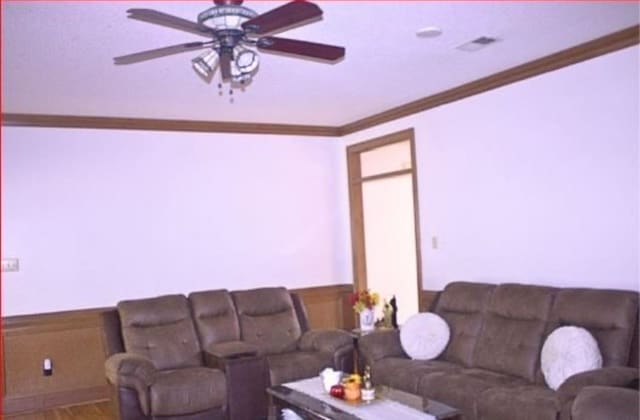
x=357, y=333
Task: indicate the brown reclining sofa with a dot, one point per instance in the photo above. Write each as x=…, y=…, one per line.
x=491, y=366
x=212, y=354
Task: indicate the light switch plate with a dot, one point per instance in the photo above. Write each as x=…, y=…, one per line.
x=10, y=264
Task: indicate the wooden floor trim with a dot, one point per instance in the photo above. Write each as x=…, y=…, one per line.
x=56, y=399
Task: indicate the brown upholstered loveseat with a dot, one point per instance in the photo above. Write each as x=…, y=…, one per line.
x=491, y=366
x=212, y=354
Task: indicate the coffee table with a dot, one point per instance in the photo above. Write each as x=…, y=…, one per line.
x=307, y=399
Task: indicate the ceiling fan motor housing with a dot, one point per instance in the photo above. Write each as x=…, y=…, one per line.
x=226, y=16
x=224, y=2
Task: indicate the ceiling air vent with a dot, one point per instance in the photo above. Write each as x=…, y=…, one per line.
x=476, y=44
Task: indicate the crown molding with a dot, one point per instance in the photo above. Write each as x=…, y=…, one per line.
x=119, y=123
x=591, y=49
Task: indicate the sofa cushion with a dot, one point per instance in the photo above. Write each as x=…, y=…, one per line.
x=405, y=374
x=215, y=317
x=514, y=329
x=162, y=330
x=268, y=319
x=567, y=351
x=461, y=305
x=461, y=389
x=528, y=402
x=183, y=391
x=289, y=367
x=609, y=315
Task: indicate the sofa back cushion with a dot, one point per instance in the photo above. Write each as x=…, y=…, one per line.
x=609, y=315
x=162, y=330
x=461, y=304
x=215, y=317
x=268, y=319
x=513, y=330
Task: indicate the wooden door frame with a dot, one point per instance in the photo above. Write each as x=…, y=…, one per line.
x=355, y=181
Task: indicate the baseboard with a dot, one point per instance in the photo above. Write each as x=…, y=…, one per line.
x=55, y=399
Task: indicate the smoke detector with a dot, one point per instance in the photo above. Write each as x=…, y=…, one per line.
x=429, y=32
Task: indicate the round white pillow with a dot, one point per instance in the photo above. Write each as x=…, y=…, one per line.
x=567, y=351
x=424, y=336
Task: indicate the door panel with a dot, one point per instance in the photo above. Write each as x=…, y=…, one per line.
x=390, y=242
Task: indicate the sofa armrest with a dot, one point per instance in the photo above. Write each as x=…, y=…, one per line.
x=605, y=402
x=325, y=340
x=380, y=344
x=609, y=376
x=131, y=371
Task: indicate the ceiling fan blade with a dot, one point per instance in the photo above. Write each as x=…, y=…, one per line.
x=301, y=48
x=282, y=17
x=163, y=19
x=225, y=64
x=160, y=52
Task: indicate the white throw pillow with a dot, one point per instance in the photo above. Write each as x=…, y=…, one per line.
x=424, y=336
x=567, y=351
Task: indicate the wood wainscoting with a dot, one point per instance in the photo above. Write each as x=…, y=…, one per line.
x=328, y=307
x=76, y=344
x=428, y=300
x=73, y=341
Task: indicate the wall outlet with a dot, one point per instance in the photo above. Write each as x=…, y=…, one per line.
x=10, y=264
x=434, y=242
x=47, y=367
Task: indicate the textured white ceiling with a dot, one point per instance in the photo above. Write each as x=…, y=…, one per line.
x=57, y=57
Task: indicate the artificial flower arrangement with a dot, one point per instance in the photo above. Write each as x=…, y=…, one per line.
x=363, y=300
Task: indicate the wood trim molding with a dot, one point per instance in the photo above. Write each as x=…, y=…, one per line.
x=358, y=248
x=381, y=141
x=119, y=123
x=399, y=172
x=356, y=220
x=324, y=291
x=591, y=49
x=33, y=323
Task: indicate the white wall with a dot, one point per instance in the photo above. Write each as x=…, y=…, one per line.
x=96, y=216
x=535, y=182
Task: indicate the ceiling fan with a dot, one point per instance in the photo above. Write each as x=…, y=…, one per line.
x=234, y=32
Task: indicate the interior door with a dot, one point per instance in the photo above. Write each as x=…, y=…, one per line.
x=384, y=220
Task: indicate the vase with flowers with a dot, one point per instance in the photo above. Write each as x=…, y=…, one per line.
x=363, y=303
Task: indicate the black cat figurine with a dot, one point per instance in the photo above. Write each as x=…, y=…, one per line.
x=394, y=312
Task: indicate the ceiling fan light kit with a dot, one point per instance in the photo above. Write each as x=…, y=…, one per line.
x=206, y=64
x=235, y=34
